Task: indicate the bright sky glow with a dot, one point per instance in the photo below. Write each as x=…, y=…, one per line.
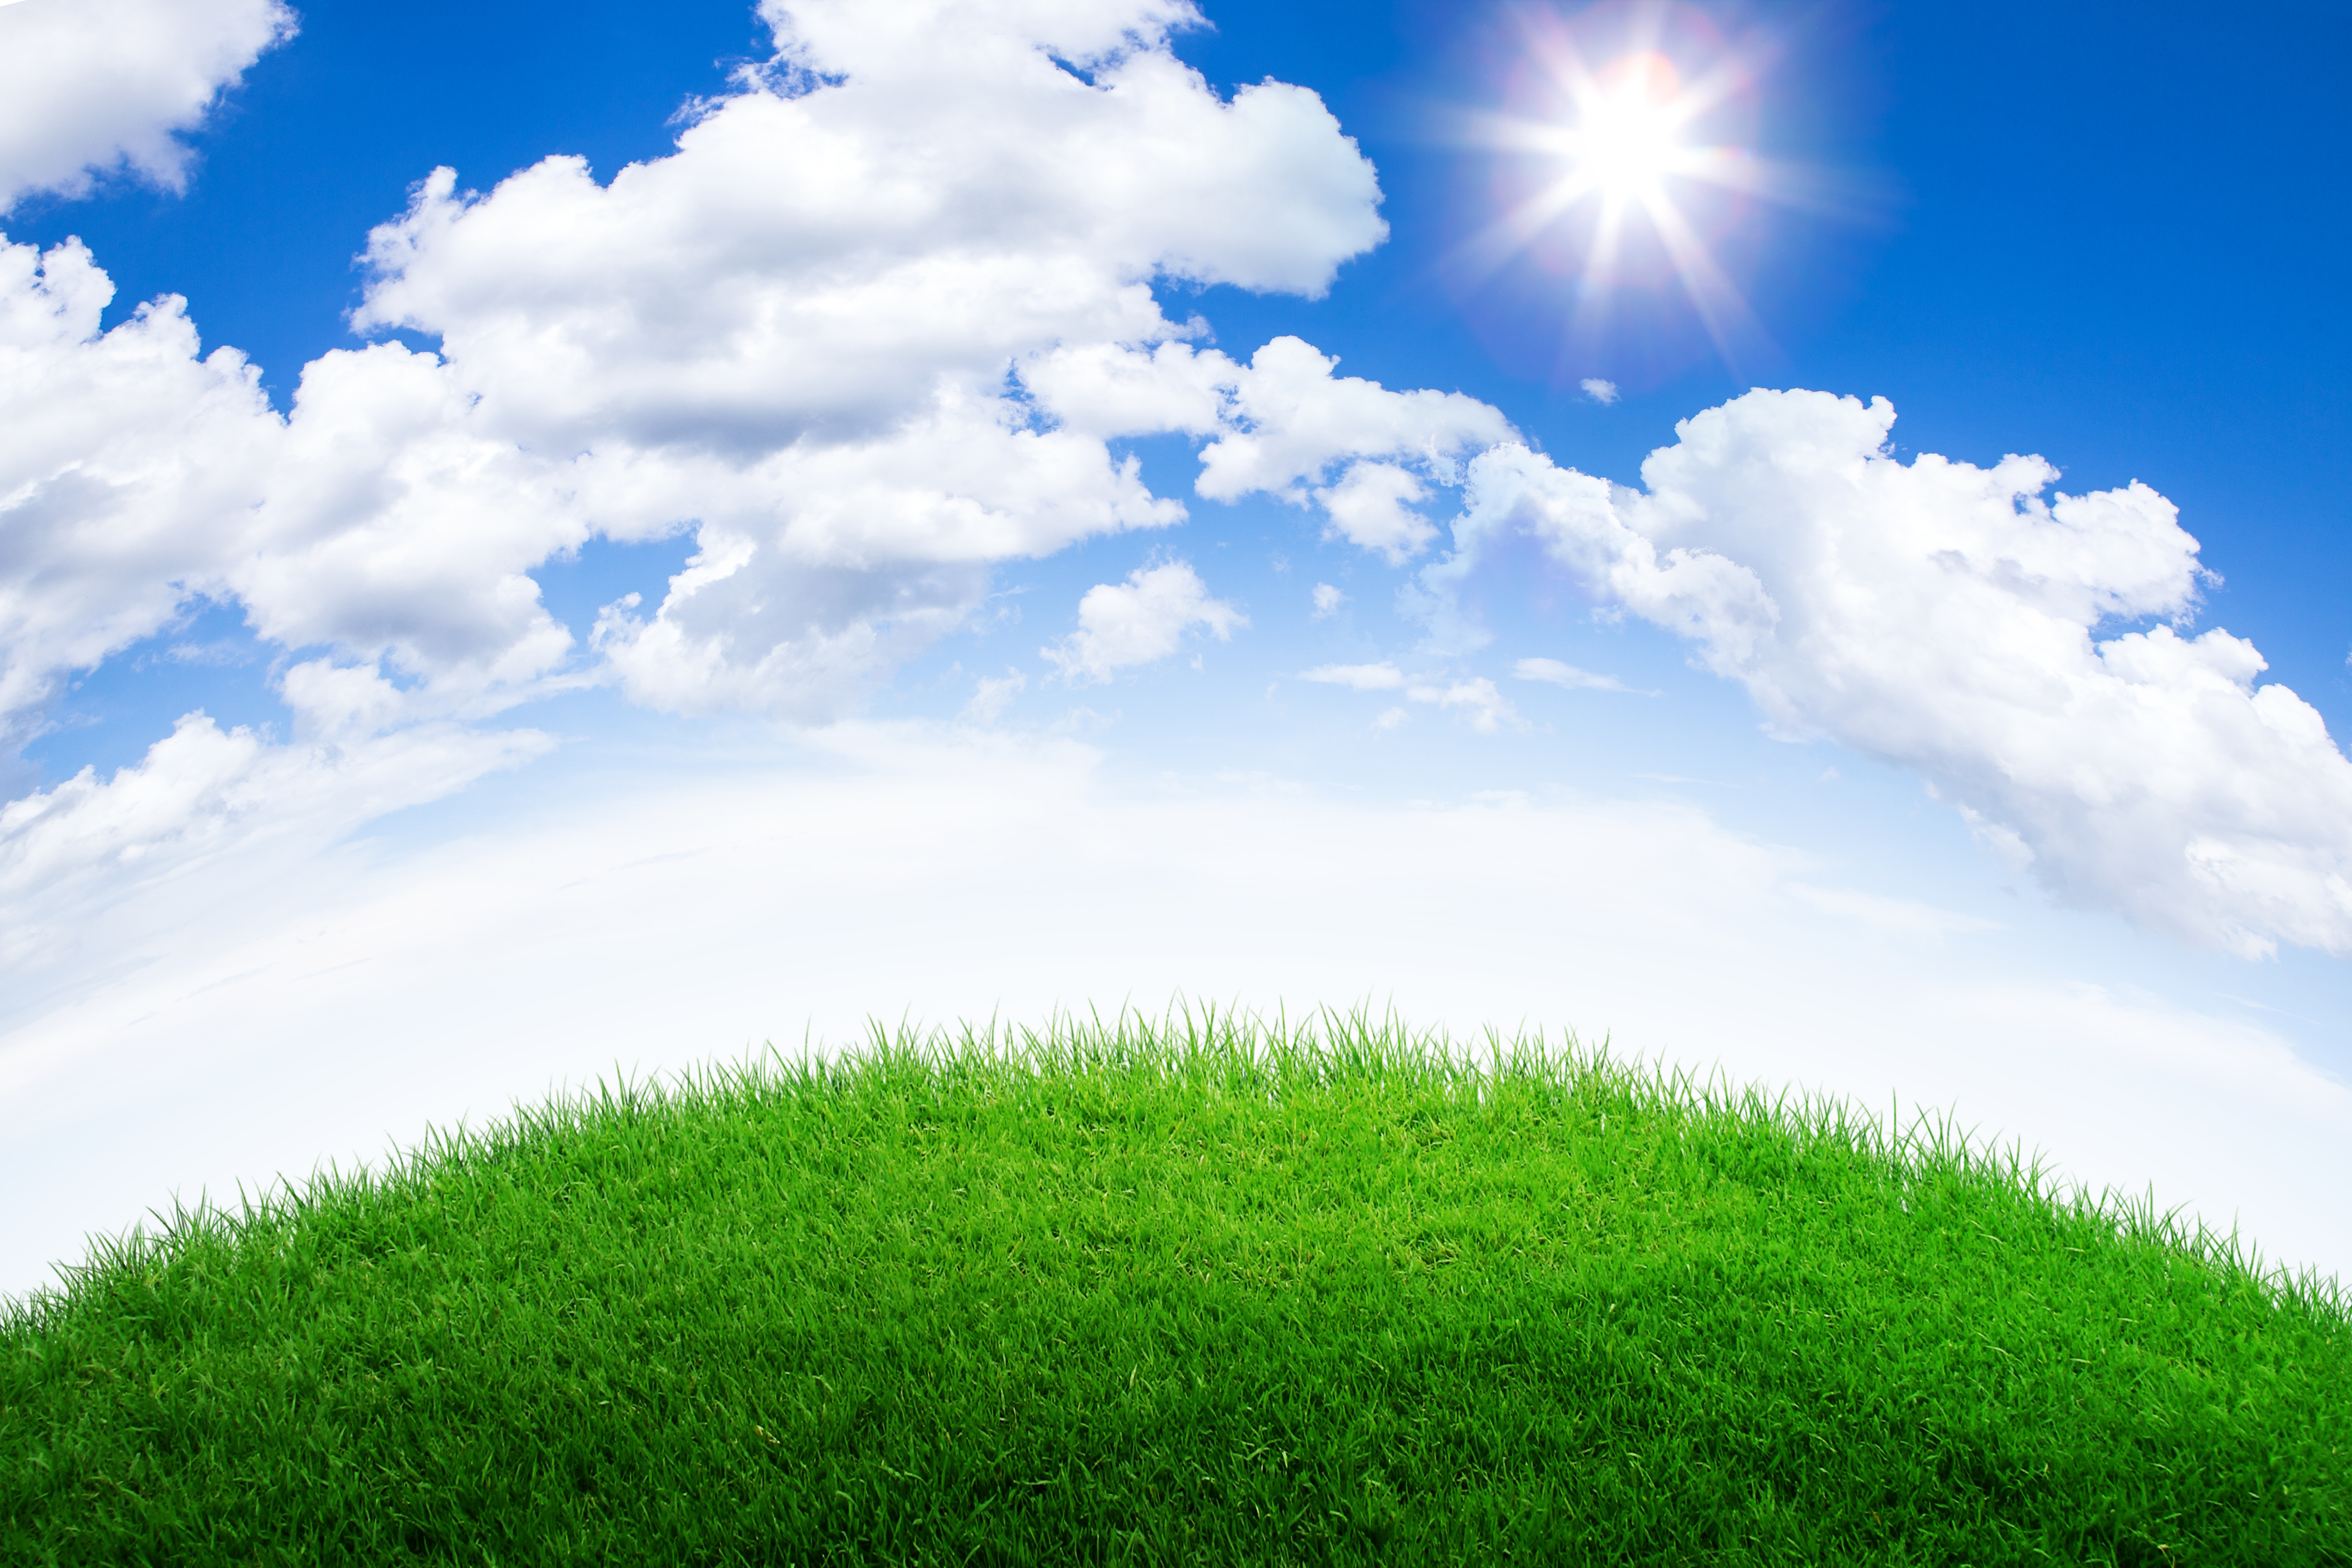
x=1627, y=140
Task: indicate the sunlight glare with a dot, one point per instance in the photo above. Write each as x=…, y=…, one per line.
x=1629, y=137
x=1628, y=165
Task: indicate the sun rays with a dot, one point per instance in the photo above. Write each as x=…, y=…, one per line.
x=1625, y=153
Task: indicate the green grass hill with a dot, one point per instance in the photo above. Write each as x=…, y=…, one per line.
x=1210, y=1291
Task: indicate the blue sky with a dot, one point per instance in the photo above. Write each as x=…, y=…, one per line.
x=1340, y=694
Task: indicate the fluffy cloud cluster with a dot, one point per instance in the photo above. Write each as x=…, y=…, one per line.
x=800, y=337
x=802, y=334
x=130, y=469
x=1947, y=617
x=89, y=86
x=1283, y=424
x=139, y=476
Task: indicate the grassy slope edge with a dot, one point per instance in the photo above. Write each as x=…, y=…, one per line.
x=1206, y=1292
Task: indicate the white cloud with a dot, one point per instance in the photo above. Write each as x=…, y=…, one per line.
x=1382, y=677
x=130, y=469
x=95, y=85
x=795, y=332
x=397, y=529
x=791, y=336
x=993, y=695
x=1372, y=506
x=1489, y=709
x=1261, y=192
x=1297, y=420
x=1554, y=673
x=1942, y=616
x=68, y=852
x=1294, y=425
x=1328, y=600
x=1108, y=389
x=139, y=474
x=1284, y=424
x=1601, y=391
x=1139, y=620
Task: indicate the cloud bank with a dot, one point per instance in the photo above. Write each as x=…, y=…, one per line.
x=848, y=335
x=827, y=333
x=808, y=338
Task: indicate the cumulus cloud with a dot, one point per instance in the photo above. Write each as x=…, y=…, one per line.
x=869, y=332
x=795, y=337
x=1601, y=391
x=1297, y=421
x=139, y=475
x=1947, y=617
x=798, y=336
x=90, y=86
x=1138, y=621
x=1328, y=600
x=1283, y=425
x=397, y=530
x=130, y=469
x=1372, y=506
x=798, y=332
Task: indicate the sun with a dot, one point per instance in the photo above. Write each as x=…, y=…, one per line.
x=1623, y=143
x=1625, y=167
x=1626, y=141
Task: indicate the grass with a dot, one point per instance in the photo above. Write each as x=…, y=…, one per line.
x=1210, y=1291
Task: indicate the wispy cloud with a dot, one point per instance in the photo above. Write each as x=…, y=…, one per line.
x=1381, y=677
x=1902, y=915
x=1488, y=708
x=1553, y=673
x=993, y=694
